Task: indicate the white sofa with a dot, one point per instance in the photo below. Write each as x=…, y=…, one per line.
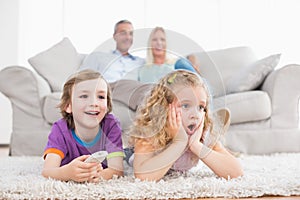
x=263, y=101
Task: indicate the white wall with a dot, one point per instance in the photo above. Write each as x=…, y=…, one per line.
x=31, y=26
x=27, y=27
x=268, y=26
x=9, y=56
x=40, y=26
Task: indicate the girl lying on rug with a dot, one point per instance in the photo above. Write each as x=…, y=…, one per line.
x=87, y=127
x=173, y=130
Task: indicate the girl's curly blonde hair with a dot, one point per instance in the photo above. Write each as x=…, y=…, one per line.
x=151, y=118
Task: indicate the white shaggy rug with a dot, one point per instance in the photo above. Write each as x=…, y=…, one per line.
x=278, y=174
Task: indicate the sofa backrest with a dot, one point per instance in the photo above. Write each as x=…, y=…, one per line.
x=235, y=69
x=218, y=66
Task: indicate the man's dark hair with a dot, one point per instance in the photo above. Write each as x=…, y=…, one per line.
x=124, y=21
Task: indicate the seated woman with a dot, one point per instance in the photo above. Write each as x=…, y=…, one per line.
x=158, y=62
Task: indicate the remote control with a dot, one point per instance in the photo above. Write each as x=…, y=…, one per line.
x=97, y=157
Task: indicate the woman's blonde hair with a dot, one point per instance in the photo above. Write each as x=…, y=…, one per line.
x=149, y=58
x=78, y=77
x=151, y=118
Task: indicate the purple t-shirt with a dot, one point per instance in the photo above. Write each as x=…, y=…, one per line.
x=62, y=141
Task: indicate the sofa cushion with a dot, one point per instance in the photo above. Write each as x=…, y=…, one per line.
x=252, y=76
x=57, y=63
x=130, y=92
x=51, y=112
x=247, y=106
x=218, y=66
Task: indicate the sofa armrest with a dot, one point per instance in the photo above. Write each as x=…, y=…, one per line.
x=24, y=88
x=283, y=87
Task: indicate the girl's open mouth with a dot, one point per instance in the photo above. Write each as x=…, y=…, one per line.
x=191, y=129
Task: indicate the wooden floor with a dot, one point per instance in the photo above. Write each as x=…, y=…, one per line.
x=4, y=152
x=260, y=198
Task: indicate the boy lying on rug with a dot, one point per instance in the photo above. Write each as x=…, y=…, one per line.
x=87, y=127
x=173, y=130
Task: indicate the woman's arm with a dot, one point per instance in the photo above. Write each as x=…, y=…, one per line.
x=195, y=62
x=76, y=170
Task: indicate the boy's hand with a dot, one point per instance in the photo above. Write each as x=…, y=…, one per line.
x=80, y=171
x=95, y=178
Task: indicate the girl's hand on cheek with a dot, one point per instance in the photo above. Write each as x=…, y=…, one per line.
x=194, y=140
x=174, y=123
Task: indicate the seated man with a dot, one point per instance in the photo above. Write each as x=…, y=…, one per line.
x=116, y=64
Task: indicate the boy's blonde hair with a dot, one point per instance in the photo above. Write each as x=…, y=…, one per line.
x=78, y=77
x=151, y=119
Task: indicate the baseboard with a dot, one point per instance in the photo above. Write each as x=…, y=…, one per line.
x=4, y=145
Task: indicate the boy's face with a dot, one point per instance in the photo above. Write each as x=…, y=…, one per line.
x=89, y=103
x=192, y=103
